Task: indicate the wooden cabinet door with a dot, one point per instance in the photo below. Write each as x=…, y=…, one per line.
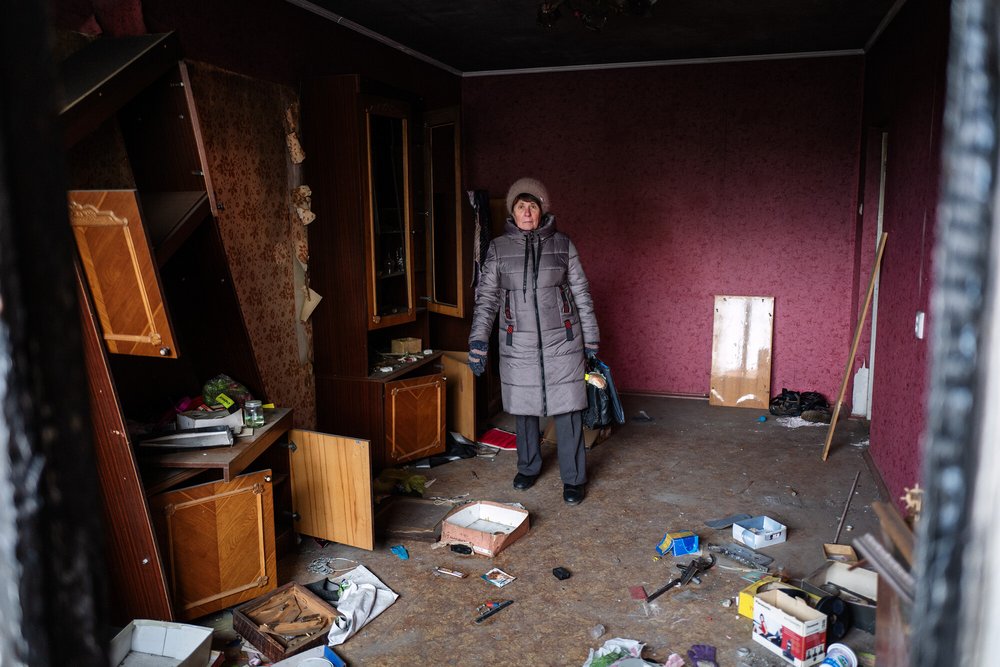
x=388, y=246
x=414, y=418
x=123, y=279
x=218, y=543
x=461, y=383
x=332, y=487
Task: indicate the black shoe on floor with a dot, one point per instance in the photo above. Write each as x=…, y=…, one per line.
x=522, y=481
x=574, y=493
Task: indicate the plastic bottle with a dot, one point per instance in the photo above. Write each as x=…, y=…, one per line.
x=838, y=655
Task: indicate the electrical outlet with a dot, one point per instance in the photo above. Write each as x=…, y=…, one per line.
x=918, y=327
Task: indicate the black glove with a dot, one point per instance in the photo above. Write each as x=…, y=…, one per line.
x=590, y=349
x=477, y=357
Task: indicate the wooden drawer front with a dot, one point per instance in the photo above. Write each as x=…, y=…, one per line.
x=414, y=418
x=218, y=543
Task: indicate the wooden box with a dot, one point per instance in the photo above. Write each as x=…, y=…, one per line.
x=269, y=621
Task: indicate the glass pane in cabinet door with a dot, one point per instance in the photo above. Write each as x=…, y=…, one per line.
x=390, y=215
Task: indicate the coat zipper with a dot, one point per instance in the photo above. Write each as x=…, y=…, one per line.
x=538, y=328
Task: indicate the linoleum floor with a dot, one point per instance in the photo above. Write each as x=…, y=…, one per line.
x=693, y=462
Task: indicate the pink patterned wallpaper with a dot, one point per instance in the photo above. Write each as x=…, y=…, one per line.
x=904, y=95
x=679, y=183
x=242, y=125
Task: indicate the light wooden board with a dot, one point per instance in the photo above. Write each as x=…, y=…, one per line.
x=332, y=487
x=741, y=351
x=461, y=393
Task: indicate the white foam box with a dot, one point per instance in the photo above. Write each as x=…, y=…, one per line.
x=789, y=628
x=144, y=643
x=759, y=531
x=486, y=526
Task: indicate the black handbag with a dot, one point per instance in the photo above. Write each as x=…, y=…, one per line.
x=603, y=403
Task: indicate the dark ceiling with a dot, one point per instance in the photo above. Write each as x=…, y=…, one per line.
x=471, y=36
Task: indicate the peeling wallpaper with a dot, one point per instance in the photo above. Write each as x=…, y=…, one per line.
x=241, y=122
x=679, y=183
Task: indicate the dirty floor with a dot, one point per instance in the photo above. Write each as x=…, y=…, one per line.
x=691, y=463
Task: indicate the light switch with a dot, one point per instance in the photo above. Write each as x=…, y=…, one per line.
x=918, y=327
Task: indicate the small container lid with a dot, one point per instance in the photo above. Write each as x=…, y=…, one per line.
x=252, y=403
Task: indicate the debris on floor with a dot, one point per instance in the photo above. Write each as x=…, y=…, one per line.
x=497, y=577
x=796, y=422
x=450, y=573
x=641, y=416
x=679, y=543
x=615, y=650
x=361, y=600
x=491, y=607
x=703, y=655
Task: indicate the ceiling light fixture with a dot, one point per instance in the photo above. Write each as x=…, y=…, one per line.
x=592, y=13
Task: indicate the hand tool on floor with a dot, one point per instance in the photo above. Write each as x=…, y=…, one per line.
x=487, y=609
x=689, y=573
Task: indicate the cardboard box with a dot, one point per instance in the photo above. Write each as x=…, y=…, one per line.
x=144, y=643
x=789, y=628
x=746, y=596
x=591, y=436
x=249, y=618
x=487, y=527
x=844, y=553
x=406, y=346
x=858, y=588
x=759, y=531
x=679, y=543
x=765, y=583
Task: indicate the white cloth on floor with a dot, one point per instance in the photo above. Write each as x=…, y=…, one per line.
x=363, y=598
x=628, y=650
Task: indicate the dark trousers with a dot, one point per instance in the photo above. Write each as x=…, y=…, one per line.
x=569, y=439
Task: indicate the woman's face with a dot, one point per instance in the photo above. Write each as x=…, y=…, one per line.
x=527, y=215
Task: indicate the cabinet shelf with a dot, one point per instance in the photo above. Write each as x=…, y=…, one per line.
x=393, y=274
x=171, y=218
x=97, y=80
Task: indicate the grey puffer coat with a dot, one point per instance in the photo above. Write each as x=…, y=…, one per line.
x=535, y=281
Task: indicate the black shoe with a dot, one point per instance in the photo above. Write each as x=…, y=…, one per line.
x=522, y=481
x=574, y=493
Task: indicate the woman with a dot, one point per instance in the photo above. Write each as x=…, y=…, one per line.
x=533, y=278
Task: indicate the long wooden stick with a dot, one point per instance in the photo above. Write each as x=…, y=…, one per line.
x=854, y=345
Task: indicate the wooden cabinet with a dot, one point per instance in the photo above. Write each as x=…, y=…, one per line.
x=363, y=261
x=156, y=299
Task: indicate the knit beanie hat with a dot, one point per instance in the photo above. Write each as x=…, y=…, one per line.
x=531, y=187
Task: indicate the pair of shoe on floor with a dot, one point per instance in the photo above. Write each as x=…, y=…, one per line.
x=572, y=493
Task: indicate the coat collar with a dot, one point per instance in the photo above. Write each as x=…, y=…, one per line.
x=544, y=231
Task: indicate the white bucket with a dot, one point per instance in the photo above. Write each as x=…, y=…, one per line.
x=839, y=655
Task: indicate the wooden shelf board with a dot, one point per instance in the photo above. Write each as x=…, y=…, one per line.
x=171, y=217
x=230, y=460
x=99, y=79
